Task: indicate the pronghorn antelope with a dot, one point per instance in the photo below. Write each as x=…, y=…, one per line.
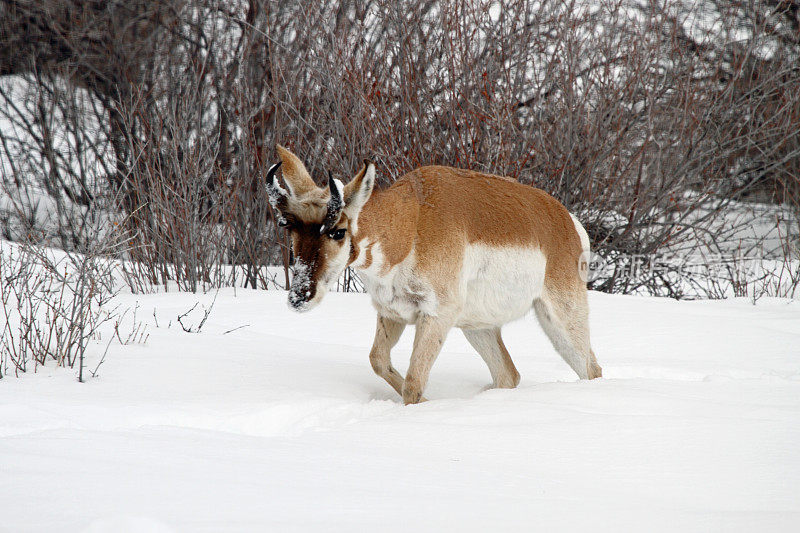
x=440, y=248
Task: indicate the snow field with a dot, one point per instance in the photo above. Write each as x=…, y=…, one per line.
x=281, y=425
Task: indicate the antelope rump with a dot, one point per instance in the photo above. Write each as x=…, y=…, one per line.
x=440, y=248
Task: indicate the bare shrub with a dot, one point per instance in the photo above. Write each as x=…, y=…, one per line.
x=51, y=308
x=649, y=120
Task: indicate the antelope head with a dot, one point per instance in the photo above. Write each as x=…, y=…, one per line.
x=320, y=221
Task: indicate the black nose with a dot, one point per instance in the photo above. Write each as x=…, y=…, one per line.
x=299, y=297
x=295, y=299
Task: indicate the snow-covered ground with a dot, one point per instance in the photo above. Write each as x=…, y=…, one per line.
x=271, y=421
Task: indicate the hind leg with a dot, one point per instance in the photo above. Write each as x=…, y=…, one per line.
x=489, y=344
x=564, y=317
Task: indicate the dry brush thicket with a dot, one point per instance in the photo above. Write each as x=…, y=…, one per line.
x=51, y=309
x=664, y=125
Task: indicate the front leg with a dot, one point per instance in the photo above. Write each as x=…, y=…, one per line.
x=387, y=333
x=431, y=332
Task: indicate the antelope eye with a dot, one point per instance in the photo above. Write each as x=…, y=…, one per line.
x=338, y=234
x=282, y=223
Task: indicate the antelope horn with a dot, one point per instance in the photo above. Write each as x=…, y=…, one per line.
x=335, y=204
x=278, y=197
x=272, y=170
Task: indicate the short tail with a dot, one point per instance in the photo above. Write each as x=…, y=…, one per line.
x=583, y=260
x=585, y=244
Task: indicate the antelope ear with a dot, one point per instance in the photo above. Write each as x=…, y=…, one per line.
x=358, y=191
x=295, y=174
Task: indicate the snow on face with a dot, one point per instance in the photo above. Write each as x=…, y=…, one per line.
x=320, y=257
x=302, y=289
x=313, y=276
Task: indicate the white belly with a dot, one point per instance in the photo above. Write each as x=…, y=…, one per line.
x=494, y=286
x=499, y=284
